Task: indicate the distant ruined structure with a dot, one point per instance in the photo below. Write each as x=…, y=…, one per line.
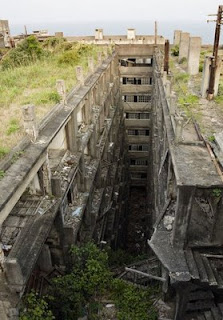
x=118, y=132
x=4, y=34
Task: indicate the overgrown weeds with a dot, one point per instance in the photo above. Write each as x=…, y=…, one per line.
x=28, y=76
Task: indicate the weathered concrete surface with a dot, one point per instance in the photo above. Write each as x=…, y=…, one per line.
x=194, y=55
x=176, y=38
x=184, y=45
x=188, y=158
x=173, y=259
x=206, y=76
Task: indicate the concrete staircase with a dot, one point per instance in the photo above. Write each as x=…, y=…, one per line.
x=204, y=269
x=205, y=266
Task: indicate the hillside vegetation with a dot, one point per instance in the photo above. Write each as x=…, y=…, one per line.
x=28, y=74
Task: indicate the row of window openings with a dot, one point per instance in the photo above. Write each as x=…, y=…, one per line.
x=138, y=162
x=137, y=81
x=139, y=98
x=138, y=132
x=138, y=115
x=138, y=147
x=136, y=62
x=137, y=175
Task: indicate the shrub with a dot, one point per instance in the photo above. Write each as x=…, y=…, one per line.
x=52, y=43
x=69, y=57
x=27, y=51
x=88, y=278
x=74, y=55
x=175, y=51
x=35, y=308
x=134, y=303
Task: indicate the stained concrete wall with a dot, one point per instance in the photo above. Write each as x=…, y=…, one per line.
x=184, y=45
x=194, y=55
x=176, y=38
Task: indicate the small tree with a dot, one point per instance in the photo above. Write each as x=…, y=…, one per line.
x=88, y=279
x=35, y=308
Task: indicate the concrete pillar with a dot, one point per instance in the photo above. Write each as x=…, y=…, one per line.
x=176, y=37
x=91, y=64
x=14, y=274
x=194, y=55
x=185, y=196
x=80, y=75
x=61, y=89
x=92, y=144
x=34, y=187
x=47, y=176
x=164, y=77
x=81, y=175
x=206, y=76
x=44, y=260
x=168, y=88
x=184, y=45
x=217, y=75
x=173, y=104
x=99, y=57
x=178, y=129
x=131, y=34
x=99, y=34
x=29, y=120
x=182, y=298
x=71, y=133
x=105, y=51
x=56, y=186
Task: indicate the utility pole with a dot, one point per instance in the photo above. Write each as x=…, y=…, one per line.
x=213, y=66
x=166, y=56
x=155, y=40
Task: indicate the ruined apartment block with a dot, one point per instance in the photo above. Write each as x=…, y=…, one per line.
x=115, y=142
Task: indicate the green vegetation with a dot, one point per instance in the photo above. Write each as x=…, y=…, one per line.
x=183, y=60
x=211, y=138
x=35, y=308
x=216, y=192
x=3, y=151
x=13, y=126
x=219, y=97
x=87, y=282
x=25, y=53
x=175, y=51
x=134, y=303
x=2, y=174
x=28, y=76
x=189, y=99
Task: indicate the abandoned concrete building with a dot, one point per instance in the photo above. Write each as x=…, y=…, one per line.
x=4, y=34
x=114, y=142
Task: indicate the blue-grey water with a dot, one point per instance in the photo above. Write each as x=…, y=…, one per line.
x=165, y=28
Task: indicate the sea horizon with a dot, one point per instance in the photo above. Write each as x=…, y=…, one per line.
x=165, y=28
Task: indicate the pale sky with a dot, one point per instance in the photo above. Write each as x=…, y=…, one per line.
x=51, y=11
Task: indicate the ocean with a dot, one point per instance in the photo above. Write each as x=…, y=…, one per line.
x=165, y=28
